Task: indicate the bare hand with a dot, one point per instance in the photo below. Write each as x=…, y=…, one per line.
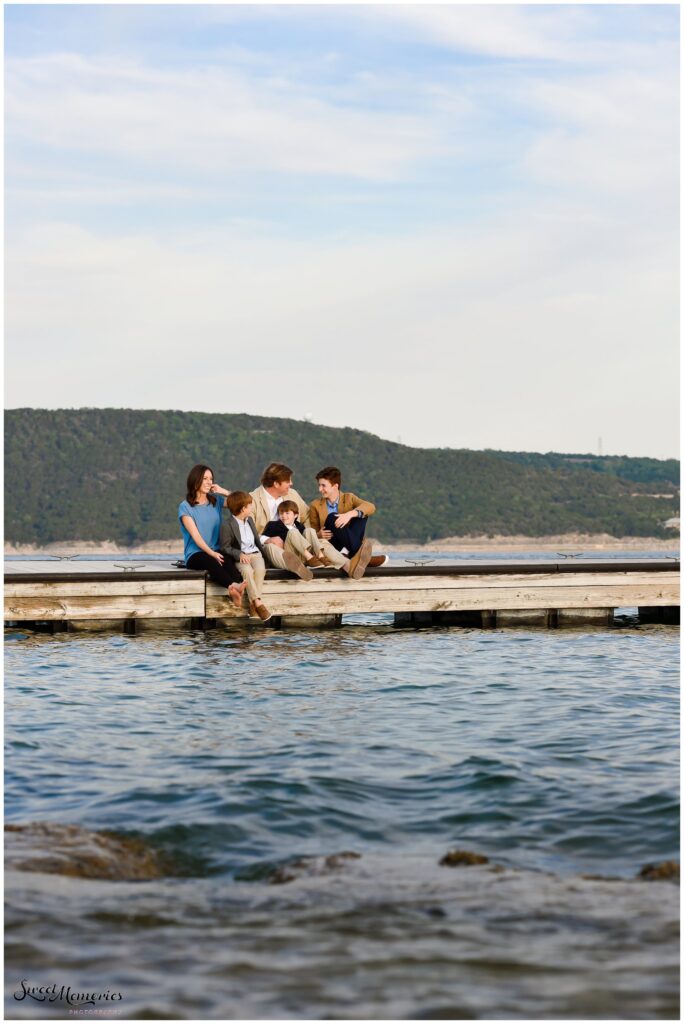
x=344, y=518
x=244, y=559
x=218, y=556
x=276, y=541
x=325, y=534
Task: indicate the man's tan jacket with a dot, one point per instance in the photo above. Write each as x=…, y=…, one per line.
x=262, y=514
x=318, y=512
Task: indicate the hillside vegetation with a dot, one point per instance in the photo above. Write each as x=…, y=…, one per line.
x=118, y=474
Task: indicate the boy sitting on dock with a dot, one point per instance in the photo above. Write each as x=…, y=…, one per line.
x=288, y=519
x=339, y=517
x=239, y=540
x=316, y=552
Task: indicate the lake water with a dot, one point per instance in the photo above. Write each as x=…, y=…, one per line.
x=250, y=756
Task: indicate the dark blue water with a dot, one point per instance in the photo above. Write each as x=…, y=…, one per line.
x=552, y=752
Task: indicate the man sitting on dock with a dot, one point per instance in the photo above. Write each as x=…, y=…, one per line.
x=276, y=486
x=340, y=517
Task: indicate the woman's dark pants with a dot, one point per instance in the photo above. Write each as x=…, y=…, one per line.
x=224, y=574
x=349, y=536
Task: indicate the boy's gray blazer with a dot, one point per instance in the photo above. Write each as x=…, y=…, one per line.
x=230, y=541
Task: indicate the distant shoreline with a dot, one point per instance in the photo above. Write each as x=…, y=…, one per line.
x=572, y=541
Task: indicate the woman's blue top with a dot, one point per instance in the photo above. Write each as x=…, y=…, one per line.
x=207, y=519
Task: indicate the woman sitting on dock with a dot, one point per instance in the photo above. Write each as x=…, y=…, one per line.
x=200, y=519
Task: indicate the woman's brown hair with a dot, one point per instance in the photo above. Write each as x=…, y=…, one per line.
x=194, y=482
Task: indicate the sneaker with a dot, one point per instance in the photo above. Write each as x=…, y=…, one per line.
x=378, y=560
x=357, y=565
x=296, y=566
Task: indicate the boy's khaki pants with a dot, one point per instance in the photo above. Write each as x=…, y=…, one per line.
x=297, y=543
x=254, y=572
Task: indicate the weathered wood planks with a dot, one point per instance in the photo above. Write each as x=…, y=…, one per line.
x=51, y=592
x=411, y=594
x=114, y=599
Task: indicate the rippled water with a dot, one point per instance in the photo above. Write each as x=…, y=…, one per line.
x=553, y=752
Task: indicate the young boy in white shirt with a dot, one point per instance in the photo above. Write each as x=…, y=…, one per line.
x=239, y=540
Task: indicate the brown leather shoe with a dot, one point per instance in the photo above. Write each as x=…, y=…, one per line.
x=378, y=560
x=263, y=613
x=357, y=565
x=296, y=566
x=315, y=563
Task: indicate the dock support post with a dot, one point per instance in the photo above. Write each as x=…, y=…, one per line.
x=309, y=621
x=659, y=613
x=129, y=627
x=523, y=617
x=586, y=616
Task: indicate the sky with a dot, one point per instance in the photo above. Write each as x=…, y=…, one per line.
x=452, y=225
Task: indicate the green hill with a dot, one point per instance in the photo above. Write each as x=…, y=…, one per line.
x=118, y=474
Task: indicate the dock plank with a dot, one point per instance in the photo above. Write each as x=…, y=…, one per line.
x=106, y=591
x=457, y=594
x=144, y=606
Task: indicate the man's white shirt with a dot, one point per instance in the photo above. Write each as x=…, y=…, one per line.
x=273, y=504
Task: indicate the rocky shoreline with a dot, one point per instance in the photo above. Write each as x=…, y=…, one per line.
x=484, y=544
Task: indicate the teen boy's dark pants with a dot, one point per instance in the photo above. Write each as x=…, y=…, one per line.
x=349, y=536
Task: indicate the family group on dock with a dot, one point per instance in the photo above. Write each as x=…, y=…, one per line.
x=235, y=535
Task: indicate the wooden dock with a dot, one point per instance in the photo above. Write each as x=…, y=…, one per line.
x=82, y=594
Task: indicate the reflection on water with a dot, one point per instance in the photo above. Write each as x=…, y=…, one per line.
x=235, y=754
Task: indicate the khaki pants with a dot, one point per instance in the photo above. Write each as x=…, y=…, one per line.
x=332, y=554
x=298, y=543
x=254, y=573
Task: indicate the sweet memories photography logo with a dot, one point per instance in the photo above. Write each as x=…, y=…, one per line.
x=65, y=995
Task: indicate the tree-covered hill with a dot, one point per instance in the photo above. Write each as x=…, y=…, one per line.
x=118, y=474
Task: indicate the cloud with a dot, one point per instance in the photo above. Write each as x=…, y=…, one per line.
x=472, y=240
x=562, y=33
x=616, y=133
x=212, y=120
x=541, y=319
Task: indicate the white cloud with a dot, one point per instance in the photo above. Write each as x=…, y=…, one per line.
x=564, y=33
x=544, y=321
x=615, y=133
x=212, y=119
x=549, y=314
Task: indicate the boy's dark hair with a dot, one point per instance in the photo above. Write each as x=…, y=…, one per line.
x=288, y=506
x=330, y=473
x=237, y=500
x=275, y=473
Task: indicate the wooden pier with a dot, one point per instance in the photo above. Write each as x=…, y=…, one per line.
x=129, y=596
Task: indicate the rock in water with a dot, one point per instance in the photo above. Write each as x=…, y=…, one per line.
x=311, y=866
x=666, y=871
x=70, y=850
x=462, y=859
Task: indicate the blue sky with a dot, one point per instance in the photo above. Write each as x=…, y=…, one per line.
x=452, y=224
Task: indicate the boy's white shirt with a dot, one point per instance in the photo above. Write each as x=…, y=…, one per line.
x=247, y=537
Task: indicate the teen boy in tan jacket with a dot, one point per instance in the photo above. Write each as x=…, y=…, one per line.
x=340, y=517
